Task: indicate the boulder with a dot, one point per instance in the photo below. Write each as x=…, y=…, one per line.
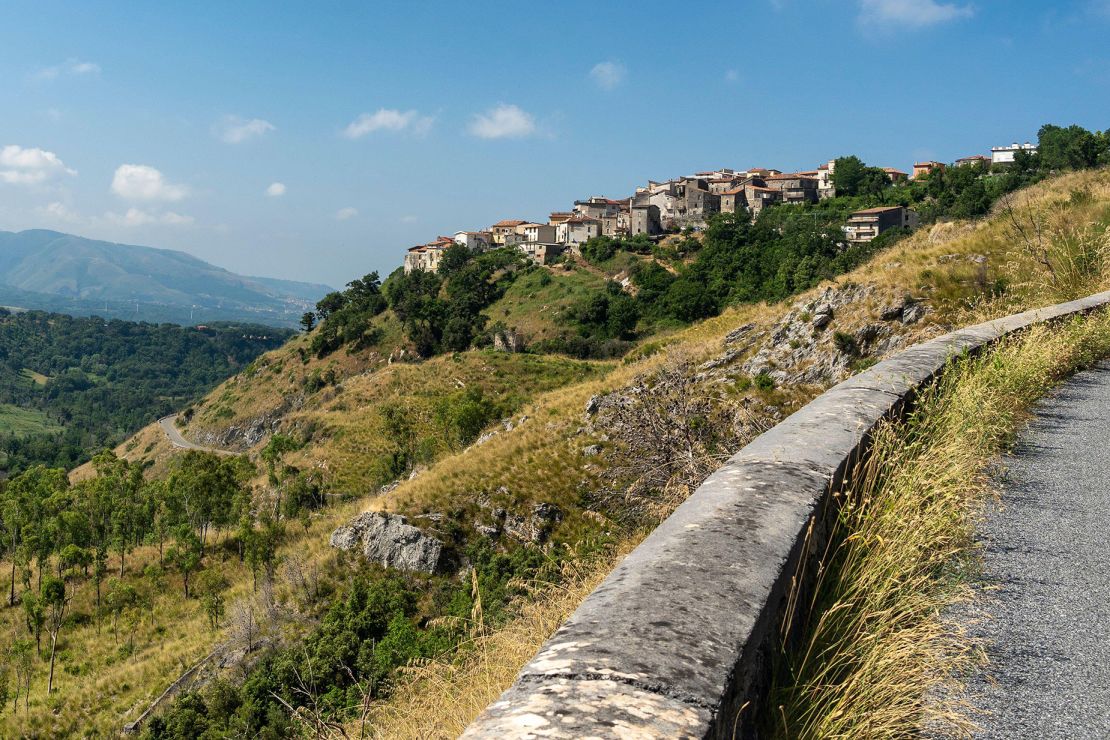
x=390, y=540
x=913, y=313
x=508, y=341
x=534, y=528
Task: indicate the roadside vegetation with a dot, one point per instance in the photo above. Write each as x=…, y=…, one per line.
x=879, y=657
x=331, y=427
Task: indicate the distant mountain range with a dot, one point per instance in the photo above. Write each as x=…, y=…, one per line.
x=51, y=271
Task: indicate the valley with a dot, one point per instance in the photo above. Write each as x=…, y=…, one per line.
x=521, y=425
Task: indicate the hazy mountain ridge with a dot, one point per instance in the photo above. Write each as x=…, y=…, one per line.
x=49, y=270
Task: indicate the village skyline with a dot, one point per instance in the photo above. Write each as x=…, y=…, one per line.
x=325, y=140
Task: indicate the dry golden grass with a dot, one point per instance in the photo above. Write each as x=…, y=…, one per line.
x=539, y=460
x=440, y=698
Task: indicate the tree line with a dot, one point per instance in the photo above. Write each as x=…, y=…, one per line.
x=99, y=381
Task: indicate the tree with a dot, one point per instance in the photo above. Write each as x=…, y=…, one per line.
x=1071, y=148
x=308, y=320
x=185, y=555
x=211, y=586
x=329, y=304
x=22, y=654
x=852, y=177
x=54, y=600
x=34, y=616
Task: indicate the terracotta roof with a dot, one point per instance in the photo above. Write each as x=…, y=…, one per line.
x=892, y=171
x=510, y=222
x=582, y=220
x=973, y=158
x=735, y=191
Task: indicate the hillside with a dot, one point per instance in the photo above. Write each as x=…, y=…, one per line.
x=70, y=387
x=530, y=467
x=51, y=271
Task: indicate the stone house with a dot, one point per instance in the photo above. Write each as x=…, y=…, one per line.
x=795, y=187
x=503, y=229
x=865, y=225
x=427, y=256
x=558, y=217
x=598, y=207
x=973, y=159
x=824, y=177
x=645, y=219
x=734, y=201
x=577, y=230
x=924, y=169
x=540, y=252
x=758, y=197
x=895, y=176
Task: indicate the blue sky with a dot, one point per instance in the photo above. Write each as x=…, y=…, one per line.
x=317, y=141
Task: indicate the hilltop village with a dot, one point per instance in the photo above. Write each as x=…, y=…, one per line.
x=670, y=206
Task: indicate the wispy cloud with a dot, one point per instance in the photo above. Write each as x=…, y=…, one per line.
x=140, y=182
x=389, y=119
x=344, y=214
x=235, y=130
x=30, y=166
x=58, y=212
x=139, y=217
x=911, y=13
x=732, y=76
x=503, y=121
x=608, y=75
x=70, y=67
x=276, y=189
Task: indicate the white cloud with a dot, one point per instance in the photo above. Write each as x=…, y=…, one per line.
x=388, y=119
x=345, y=213
x=607, y=75
x=235, y=130
x=911, y=13
x=502, y=122
x=30, y=166
x=70, y=67
x=143, y=182
x=58, y=211
x=276, y=189
x=139, y=217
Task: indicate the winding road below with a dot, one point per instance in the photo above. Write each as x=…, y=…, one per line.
x=1044, y=611
x=175, y=438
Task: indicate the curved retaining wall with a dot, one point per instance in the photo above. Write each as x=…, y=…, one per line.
x=678, y=640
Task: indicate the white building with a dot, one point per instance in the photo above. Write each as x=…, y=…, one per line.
x=577, y=230
x=1005, y=154
x=479, y=240
x=541, y=233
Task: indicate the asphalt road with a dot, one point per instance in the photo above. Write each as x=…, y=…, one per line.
x=175, y=438
x=1044, y=610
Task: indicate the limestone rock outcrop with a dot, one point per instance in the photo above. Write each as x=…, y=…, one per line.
x=390, y=540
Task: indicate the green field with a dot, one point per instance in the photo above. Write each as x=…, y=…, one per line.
x=19, y=422
x=36, y=378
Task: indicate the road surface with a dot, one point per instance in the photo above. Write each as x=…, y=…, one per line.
x=1044, y=610
x=174, y=436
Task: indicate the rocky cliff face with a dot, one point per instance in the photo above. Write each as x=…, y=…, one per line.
x=390, y=540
